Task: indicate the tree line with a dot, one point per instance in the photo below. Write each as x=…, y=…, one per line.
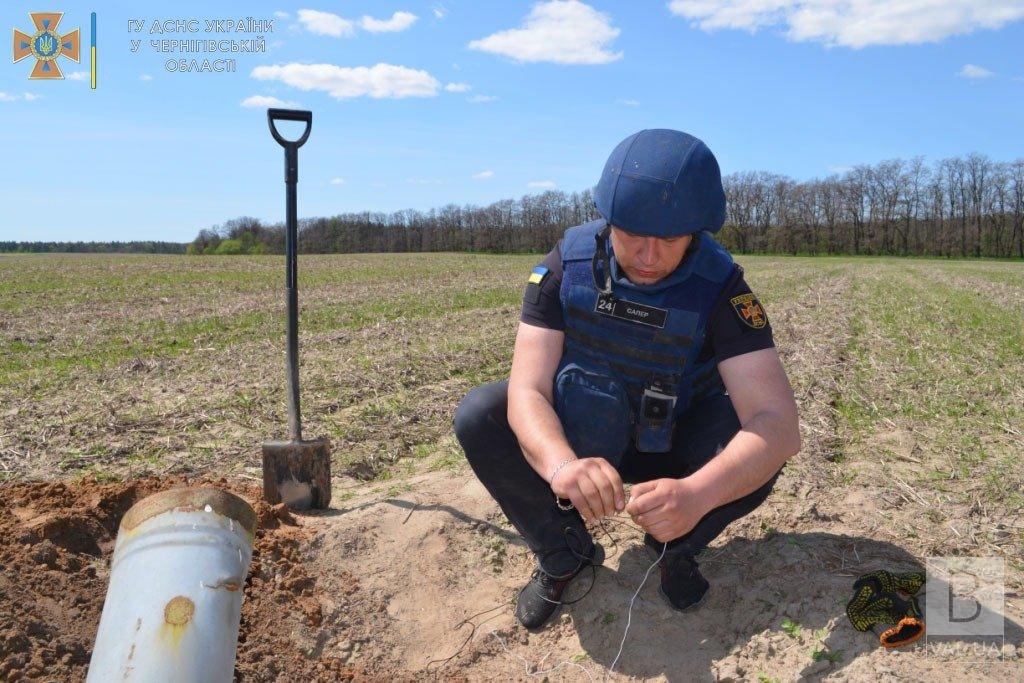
x=146, y=247
x=967, y=206
x=530, y=224
x=964, y=206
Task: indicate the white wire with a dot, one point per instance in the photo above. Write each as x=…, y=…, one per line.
x=629, y=613
x=527, y=666
x=629, y=619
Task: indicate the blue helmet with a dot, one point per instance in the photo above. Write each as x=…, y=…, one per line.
x=661, y=183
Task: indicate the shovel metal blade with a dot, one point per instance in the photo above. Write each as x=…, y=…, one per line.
x=297, y=473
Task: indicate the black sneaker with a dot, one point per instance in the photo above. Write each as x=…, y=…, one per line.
x=542, y=596
x=682, y=584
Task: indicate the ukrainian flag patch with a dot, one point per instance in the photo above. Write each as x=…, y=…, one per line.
x=538, y=274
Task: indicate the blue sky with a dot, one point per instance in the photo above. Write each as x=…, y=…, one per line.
x=480, y=100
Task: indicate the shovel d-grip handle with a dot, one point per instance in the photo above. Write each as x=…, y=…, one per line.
x=289, y=115
x=291, y=147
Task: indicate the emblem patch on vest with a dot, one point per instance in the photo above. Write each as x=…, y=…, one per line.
x=630, y=311
x=749, y=310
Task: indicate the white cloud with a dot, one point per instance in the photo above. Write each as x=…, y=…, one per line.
x=337, y=181
x=628, y=103
x=559, y=31
x=281, y=15
x=974, y=71
x=326, y=24
x=457, y=87
x=343, y=82
x=28, y=97
x=483, y=175
x=78, y=76
x=545, y=184
x=262, y=101
x=839, y=169
x=145, y=78
x=399, y=21
x=853, y=23
x=439, y=11
x=481, y=99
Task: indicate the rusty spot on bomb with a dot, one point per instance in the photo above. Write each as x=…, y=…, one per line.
x=179, y=611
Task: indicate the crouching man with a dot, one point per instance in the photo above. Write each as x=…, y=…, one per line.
x=642, y=356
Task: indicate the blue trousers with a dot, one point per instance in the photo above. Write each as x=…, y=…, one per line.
x=558, y=536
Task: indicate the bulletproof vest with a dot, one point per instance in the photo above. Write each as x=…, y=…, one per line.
x=629, y=366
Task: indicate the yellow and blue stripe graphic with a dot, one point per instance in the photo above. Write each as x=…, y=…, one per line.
x=92, y=51
x=537, y=276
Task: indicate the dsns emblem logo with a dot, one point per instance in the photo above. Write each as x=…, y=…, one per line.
x=46, y=45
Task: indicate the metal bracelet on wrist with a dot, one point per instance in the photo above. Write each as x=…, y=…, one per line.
x=558, y=468
x=563, y=508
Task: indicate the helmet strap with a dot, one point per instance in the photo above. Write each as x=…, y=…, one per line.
x=601, y=261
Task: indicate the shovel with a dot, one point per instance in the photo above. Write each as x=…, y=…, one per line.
x=295, y=472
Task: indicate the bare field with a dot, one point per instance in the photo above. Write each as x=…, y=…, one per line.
x=910, y=380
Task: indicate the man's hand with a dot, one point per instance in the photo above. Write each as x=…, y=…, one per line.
x=666, y=508
x=592, y=485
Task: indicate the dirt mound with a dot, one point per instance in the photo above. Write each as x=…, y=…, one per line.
x=57, y=539
x=439, y=568
x=416, y=582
